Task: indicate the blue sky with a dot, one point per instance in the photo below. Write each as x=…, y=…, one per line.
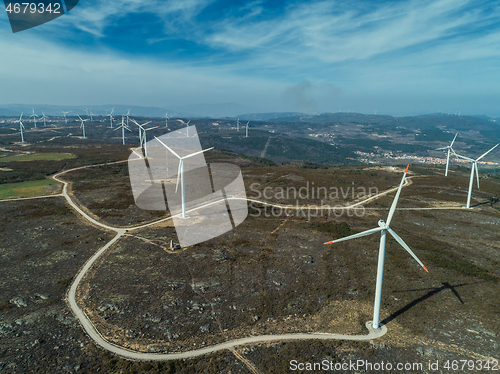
x=392, y=57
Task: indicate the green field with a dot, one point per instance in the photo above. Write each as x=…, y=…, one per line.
x=32, y=188
x=38, y=156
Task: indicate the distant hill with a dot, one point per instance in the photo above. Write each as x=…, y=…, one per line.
x=180, y=111
x=273, y=116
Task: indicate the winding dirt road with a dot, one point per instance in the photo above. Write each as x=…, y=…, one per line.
x=92, y=331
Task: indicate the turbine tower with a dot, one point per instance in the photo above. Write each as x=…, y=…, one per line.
x=238, y=125
x=34, y=117
x=91, y=115
x=384, y=227
x=166, y=120
x=21, y=127
x=128, y=113
x=180, y=173
x=246, y=128
x=187, y=129
x=82, y=125
x=474, y=167
x=450, y=149
x=124, y=127
x=65, y=119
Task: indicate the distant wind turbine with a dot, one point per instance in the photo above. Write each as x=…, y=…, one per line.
x=140, y=130
x=82, y=125
x=166, y=120
x=124, y=127
x=91, y=115
x=238, y=125
x=21, y=127
x=474, y=167
x=65, y=119
x=142, y=136
x=450, y=149
x=34, y=117
x=187, y=129
x=180, y=173
x=384, y=227
x=44, y=118
x=246, y=135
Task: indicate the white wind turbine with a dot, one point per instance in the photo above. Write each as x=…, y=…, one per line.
x=187, y=129
x=180, y=173
x=246, y=128
x=21, y=127
x=110, y=120
x=44, y=118
x=128, y=113
x=238, y=125
x=474, y=167
x=124, y=127
x=34, y=117
x=384, y=227
x=65, y=119
x=82, y=125
x=450, y=149
x=142, y=136
x=166, y=120
x=91, y=115
x=140, y=130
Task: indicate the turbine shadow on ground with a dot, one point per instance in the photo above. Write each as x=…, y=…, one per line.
x=434, y=291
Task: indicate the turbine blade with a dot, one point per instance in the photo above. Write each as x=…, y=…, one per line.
x=477, y=174
x=396, y=198
x=480, y=157
x=358, y=235
x=442, y=148
x=464, y=157
x=451, y=145
x=405, y=246
x=197, y=153
x=170, y=149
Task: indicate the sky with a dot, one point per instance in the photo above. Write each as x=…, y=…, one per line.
x=386, y=57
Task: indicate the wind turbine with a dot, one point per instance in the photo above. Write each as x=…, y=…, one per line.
x=187, y=129
x=180, y=173
x=166, y=120
x=34, y=117
x=384, y=227
x=238, y=125
x=128, y=112
x=65, y=119
x=474, y=167
x=21, y=127
x=82, y=125
x=110, y=120
x=246, y=135
x=142, y=136
x=44, y=117
x=140, y=128
x=123, y=126
x=450, y=149
x=91, y=115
